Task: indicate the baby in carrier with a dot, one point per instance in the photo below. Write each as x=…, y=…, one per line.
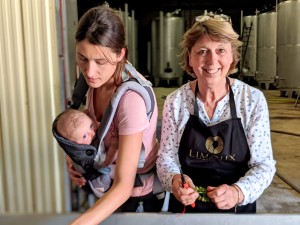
x=77, y=127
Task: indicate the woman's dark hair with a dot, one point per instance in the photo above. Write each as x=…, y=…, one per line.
x=103, y=26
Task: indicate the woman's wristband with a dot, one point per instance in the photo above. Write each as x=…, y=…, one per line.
x=239, y=197
x=238, y=194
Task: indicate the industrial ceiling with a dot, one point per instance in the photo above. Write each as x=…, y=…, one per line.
x=143, y=7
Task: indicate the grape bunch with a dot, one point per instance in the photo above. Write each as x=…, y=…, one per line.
x=202, y=194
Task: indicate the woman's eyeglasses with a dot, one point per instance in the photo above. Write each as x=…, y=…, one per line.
x=218, y=17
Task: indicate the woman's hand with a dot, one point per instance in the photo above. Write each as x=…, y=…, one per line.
x=75, y=176
x=186, y=196
x=225, y=196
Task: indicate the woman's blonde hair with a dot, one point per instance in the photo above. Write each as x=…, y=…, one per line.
x=217, y=30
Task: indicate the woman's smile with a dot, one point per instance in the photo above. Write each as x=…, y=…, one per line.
x=211, y=71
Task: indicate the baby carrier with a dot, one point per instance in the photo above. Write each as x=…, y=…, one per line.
x=87, y=159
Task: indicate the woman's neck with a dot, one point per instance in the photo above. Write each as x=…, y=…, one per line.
x=212, y=94
x=101, y=98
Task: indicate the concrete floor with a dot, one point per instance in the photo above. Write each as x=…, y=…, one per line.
x=281, y=196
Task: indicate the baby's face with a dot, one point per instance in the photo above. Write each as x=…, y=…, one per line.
x=86, y=131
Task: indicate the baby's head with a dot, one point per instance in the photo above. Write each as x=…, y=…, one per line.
x=76, y=126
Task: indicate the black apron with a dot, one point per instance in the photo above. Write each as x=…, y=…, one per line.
x=212, y=156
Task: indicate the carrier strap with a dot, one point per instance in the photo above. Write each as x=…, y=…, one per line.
x=108, y=116
x=80, y=90
x=133, y=83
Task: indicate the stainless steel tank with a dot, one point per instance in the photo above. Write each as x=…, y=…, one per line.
x=249, y=61
x=166, y=34
x=288, y=44
x=131, y=29
x=266, y=48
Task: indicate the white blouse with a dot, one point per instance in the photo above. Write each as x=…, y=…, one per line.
x=251, y=107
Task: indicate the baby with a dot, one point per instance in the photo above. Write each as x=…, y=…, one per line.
x=76, y=126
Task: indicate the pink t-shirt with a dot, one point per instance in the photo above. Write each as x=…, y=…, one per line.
x=131, y=118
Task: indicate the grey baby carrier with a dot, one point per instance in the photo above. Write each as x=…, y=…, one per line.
x=87, y=159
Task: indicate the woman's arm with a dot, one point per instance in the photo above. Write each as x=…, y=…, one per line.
x=175, y=116
x=126, y=167
x=262, y=163
x=167, y=163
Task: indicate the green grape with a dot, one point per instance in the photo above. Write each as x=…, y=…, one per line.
x=202, y=194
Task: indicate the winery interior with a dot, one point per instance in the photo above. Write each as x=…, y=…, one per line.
x=38, y=73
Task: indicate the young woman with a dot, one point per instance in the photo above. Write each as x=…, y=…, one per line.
x=101, y=55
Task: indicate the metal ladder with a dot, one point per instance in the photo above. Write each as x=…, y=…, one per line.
x=245, y=39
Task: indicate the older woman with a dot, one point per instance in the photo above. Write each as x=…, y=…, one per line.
x=215, y=129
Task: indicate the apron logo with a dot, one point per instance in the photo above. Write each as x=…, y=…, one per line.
x=214, y=145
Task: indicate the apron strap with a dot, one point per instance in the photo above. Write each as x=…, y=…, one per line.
x=196, y=109
x=231, y=101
